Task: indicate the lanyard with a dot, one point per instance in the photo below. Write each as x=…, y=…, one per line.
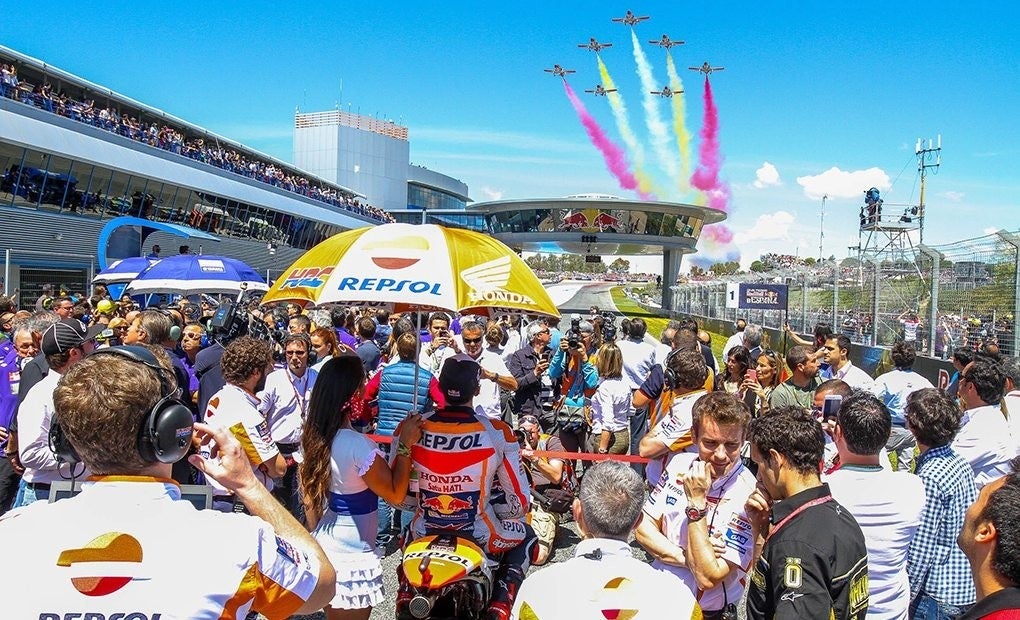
x=299, y=396
x=815, y=502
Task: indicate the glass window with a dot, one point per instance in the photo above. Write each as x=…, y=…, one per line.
x=120, y=199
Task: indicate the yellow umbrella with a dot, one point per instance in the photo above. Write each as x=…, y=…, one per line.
x=414, y=266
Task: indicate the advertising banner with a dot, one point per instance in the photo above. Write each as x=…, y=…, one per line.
x=762, y=297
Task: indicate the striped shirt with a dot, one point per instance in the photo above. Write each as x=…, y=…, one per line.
x=936, y=566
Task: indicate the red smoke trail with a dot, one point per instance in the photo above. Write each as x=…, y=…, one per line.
x=616, y=159
x=706, y=177
x=717, y=233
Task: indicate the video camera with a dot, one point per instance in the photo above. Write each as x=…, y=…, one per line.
x=608, y=327
x=574, y=335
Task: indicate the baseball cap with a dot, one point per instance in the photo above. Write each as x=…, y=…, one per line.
x=459, y=377
x=105, y=306
x=68, y=334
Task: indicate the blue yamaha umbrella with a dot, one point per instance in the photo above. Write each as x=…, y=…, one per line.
x=123, y=271
x=191, y=274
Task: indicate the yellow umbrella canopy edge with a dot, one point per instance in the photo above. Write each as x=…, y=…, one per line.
x=495, y=280
x=303, y=280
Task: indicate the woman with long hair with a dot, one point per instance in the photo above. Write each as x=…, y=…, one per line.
x=325, y=345
x=738, y=361
x=342, y=477
x=769, y=375
x=610, y=406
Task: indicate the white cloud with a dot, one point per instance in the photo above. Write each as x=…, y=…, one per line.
x=953, y=196
x=766, y=176
x=490, y=193
x=836, y=183
x=769, y=226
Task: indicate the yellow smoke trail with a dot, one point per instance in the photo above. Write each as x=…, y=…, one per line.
x=645, y=183
x=683, y=136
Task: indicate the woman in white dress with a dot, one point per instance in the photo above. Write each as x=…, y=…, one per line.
x=342, y=477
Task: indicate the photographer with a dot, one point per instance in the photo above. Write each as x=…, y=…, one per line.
x=530, y=366
x=442, y=345
x=547, y=475
x=575, y=364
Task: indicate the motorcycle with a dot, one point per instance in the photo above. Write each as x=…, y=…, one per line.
x=447, y=576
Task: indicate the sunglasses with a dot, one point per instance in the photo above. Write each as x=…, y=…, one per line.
x=527, y=419
x=472, y=340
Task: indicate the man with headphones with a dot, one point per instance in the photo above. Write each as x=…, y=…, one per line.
x=65, y=344
x=115, y=549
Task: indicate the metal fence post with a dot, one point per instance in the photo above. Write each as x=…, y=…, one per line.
x=933, y=296
x=1014, y=241
x=803, y=304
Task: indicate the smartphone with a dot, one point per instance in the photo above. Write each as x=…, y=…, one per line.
x=831, y=406
x=546, y=356
x=752, y=374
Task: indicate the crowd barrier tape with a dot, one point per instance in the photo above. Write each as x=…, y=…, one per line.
x=550, y=454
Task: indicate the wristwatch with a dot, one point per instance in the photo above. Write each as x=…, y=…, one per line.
x=695, y=514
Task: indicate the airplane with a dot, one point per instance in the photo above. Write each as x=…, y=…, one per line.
x=630, y=19
x=559, y=71
x=665, y=42
x=594, y=45
x=600, y=91
x=666, y=92
x=706, y=68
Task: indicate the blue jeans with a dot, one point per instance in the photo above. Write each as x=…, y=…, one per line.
x=927, y=608
x=27, y=495
x=638, y=428
x=386, y=522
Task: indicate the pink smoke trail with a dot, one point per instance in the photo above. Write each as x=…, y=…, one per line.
x=615, y=158
x=706, y=177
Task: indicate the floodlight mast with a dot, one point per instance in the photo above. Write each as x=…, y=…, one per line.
x=927, y=158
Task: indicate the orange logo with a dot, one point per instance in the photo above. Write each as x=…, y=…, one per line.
x=616, y=591
x=398, y=253
x=119, y=554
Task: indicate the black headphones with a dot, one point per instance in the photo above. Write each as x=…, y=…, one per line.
x=165, y=433
x=669, y=378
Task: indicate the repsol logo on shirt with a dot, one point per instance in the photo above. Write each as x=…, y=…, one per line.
x=95, y=615
x=451, y=442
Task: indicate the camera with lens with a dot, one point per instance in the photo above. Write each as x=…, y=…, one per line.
x=522, y=437
x=574, y=335
x=608, y=327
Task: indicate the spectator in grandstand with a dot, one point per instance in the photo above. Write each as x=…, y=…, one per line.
x=607, y=510
x=610, y=405
x=343, y=477
x=886, y=504
x=154, y=254
x=984, y=439
x=799, y=389
x=638, y=361
x=695, y=523
x=530, y=367
x=893, y=388
x=683, y=384
x=937, y=569
x=837, y=355
x=736, y=339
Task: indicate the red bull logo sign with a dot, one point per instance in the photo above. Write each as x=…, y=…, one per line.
x=446, y=504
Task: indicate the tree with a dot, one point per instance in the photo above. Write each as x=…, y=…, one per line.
x=620, y=266
x=758, y=267
x=725, y=269
x=697, y=271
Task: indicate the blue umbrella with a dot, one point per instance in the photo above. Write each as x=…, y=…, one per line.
x=191, y=274
x=123, y=271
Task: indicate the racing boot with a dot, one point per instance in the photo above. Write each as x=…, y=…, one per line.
x=508, y=581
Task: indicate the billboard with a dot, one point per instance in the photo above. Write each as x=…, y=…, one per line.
x=762, y=297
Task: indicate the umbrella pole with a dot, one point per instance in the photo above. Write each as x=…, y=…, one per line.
x=417, y=366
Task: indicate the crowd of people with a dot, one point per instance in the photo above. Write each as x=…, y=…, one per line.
x=331, y=437
x=175, y=140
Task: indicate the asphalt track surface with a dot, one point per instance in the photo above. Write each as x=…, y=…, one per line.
x=586, y=295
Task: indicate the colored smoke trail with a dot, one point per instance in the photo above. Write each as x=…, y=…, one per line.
x=614, y=156
x=715, y=238
x=657, y=129
x=619, y=110
x=706, y=177
x=683, y=136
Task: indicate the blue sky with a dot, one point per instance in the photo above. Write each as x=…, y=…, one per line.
x=808, y=87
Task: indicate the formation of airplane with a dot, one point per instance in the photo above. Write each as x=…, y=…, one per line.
x=559, y=71
x=706, y=68
x=665, y=42
x=600, y=91
x=630, y=19
x=594, y=45
x=666, y=92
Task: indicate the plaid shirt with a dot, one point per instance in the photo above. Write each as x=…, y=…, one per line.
x=935, y=564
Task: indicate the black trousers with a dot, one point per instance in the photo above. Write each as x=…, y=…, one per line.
x=9, y=480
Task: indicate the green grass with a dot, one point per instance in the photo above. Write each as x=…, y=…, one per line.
x=656, y=323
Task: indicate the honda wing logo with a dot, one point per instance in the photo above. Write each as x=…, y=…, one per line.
x=487, y=282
